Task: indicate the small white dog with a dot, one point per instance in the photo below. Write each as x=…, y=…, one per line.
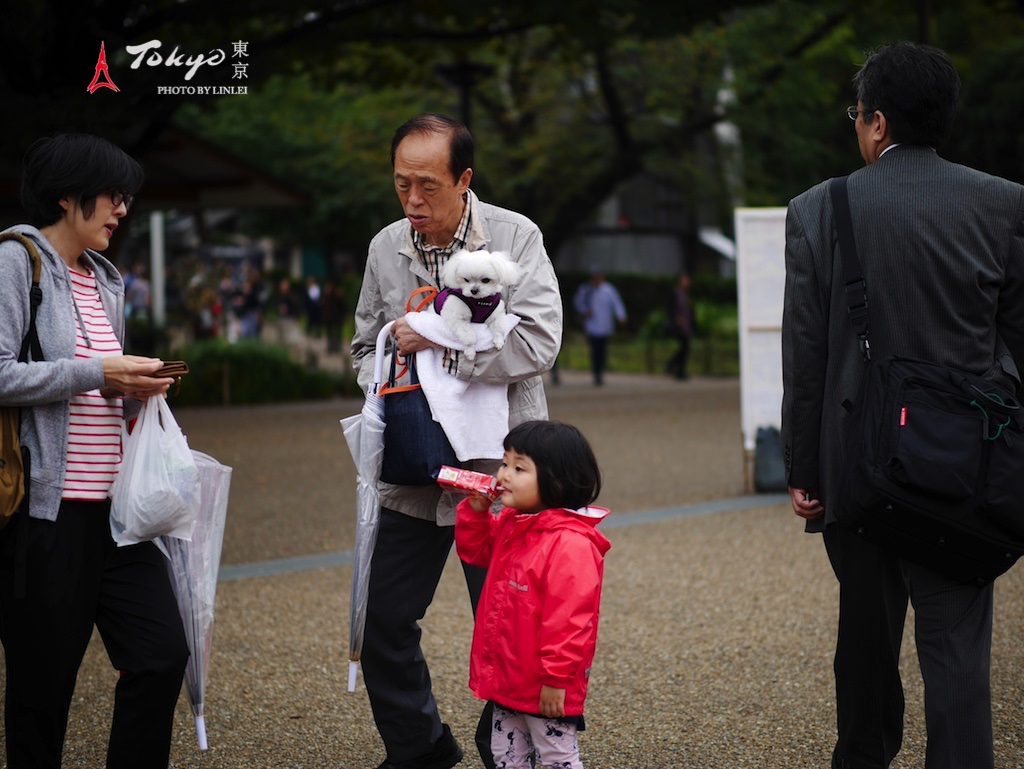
x=473, y=285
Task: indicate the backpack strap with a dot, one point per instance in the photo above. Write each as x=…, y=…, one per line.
x=853, y=275
x=35, y=296
x=414, y=381
x=29, y=343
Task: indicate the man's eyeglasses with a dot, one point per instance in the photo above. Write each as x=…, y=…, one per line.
x=852, y=112
x=117, y=197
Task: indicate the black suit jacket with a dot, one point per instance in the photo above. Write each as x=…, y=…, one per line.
x=942, y=250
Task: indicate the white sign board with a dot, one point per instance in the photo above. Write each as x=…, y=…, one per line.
x=760, y=286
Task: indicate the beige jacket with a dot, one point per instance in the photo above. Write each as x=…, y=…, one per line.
x=393, y=272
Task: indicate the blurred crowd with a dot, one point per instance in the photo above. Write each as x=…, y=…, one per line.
x=234, y=300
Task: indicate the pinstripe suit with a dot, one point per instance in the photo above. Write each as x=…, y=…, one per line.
x=942, y=249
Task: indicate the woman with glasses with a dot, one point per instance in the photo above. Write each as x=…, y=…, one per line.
x=60, y=572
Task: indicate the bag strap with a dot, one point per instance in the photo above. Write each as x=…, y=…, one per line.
x=429, y=292
x=35, y=297
x=414, y=380
x=853, y=275
x=857, y=300
x=29, y=344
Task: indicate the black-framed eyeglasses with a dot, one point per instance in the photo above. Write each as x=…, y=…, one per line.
x=117, y=197
x=852, y=112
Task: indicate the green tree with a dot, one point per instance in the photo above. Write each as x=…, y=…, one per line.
x=578, y=97
x=568, y=111
x=327, y=142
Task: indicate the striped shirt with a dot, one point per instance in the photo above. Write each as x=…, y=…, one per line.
x=94, y=432
x=434, y=259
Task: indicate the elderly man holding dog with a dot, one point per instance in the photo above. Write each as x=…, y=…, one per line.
x=432, y=157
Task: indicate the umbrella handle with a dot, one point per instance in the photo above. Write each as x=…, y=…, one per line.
x=201, y=732
x=378, y=360
x=352, y=668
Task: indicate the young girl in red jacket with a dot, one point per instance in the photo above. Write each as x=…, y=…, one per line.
x=536, y=623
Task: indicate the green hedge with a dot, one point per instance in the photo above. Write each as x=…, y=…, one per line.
x=251, y=372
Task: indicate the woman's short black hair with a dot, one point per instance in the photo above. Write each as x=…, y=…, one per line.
x=76, y=166
x=460, y=156
x=567, y=471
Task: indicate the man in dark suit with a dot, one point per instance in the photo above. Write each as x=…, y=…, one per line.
x=942, y=251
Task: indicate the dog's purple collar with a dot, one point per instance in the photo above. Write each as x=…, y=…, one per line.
x=482, y=307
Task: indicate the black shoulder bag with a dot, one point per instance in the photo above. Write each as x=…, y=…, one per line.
x=415, y=446
x=933, y=456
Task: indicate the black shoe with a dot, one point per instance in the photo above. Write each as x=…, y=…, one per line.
x=445, y=754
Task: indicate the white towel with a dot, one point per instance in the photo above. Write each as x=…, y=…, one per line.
x=474, y=415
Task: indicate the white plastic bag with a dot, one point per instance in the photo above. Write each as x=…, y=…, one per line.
x=156, y=491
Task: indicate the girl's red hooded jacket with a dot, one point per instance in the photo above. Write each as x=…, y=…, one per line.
x=536, y=623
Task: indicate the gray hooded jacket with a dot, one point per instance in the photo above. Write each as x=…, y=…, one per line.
x=44, y=388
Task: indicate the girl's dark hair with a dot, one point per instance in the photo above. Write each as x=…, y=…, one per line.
x=460, y=141
x=77, y=166
x=567, y=471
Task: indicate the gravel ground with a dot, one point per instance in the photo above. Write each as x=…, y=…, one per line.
x=716, y=633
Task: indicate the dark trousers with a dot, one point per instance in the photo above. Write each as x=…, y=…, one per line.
x=953, y=632
x=404, y=573
x=678, y=363
x=76, y=577
x=598, y=356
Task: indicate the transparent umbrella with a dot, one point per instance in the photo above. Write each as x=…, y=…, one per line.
x=364, y=433
x=193, y=567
